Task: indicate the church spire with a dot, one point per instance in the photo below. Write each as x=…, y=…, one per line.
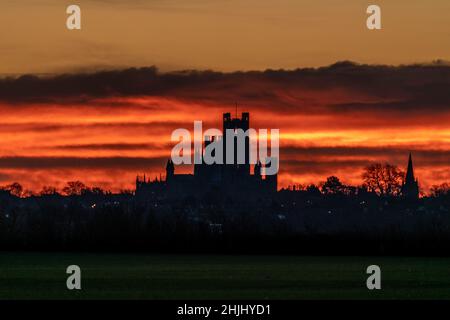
x=410, y=171
x=410, y=188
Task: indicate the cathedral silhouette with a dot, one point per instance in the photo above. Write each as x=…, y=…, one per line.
x=228, y=180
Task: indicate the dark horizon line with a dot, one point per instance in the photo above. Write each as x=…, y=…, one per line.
x=440, y=62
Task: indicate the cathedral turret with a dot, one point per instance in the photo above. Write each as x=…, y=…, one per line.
x=271, y=180
x=170, y=169
x=257, y=170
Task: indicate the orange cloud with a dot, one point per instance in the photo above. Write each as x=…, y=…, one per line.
x=333, y=121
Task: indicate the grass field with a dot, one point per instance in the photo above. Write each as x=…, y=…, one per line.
x=122, y=276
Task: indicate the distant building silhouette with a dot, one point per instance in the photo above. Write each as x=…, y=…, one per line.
x=410, y=188
x=234, y=180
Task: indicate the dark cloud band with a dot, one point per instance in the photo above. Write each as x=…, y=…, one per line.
x=409, y=88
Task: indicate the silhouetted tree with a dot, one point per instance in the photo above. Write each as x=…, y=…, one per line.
x=74, y=188
x=332, y=186
x=384, y=179
x=14, y=188
x=97, y=191
x=126, y=191
x=27, y=193
x=48, y=190
x=313, y=189
x=440, y=190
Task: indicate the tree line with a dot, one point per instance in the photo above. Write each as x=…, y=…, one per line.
x=382, y=179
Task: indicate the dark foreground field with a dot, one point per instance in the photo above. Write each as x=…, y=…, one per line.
x=122, y=276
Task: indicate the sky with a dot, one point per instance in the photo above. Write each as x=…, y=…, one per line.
x=224, y=35
x=99, y=104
